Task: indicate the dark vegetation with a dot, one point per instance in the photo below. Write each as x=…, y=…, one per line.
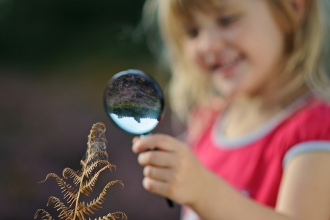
x=39, y=34
x=134, y=96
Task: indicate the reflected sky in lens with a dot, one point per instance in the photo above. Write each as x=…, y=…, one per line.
x=129, y=124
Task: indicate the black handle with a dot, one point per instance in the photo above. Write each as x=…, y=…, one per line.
x=170, y=203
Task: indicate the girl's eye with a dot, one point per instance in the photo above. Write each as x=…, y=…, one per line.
x=192, y=32
x=227, y=20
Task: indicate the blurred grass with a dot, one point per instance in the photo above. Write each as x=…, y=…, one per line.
x=40, y=34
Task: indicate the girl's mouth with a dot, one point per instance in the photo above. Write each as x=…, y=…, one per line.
x=227, y=67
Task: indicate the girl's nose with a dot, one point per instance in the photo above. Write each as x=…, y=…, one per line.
x=210, y=41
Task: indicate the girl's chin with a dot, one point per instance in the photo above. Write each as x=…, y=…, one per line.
x=230, y=89
x=234, y=93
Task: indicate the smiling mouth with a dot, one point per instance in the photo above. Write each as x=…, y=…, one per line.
x=226, y=65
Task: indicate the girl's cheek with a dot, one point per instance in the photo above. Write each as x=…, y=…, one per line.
x=194, y=58
x=190, y=52
x=200, y=63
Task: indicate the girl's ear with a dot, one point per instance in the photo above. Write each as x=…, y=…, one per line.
x=299, y=7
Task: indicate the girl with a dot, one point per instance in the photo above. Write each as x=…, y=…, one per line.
x=263, y=151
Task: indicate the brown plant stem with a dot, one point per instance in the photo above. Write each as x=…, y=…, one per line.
x=80, y=186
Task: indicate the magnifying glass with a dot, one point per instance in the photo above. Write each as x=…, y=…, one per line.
x=134, y=102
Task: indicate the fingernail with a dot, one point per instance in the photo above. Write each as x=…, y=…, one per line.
x=134, y=148
x=135, y=139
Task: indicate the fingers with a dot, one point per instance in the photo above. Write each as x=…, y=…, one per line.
x=155, y=186
x=157, y=180
x=156, y=173
x=168, y=169
x=156, y=158
x=158, y=141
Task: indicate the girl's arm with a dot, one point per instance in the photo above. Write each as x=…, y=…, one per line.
x=305, y=187
x=304, y=194
x=174, y=172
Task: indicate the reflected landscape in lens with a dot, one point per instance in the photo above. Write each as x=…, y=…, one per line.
x=130, y=125
x=134, y=102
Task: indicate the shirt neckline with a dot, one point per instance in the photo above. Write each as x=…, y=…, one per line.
x=234, y=143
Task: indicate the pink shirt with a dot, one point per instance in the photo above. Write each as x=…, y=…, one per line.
x=254, y=164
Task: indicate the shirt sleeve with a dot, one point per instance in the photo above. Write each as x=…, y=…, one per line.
x=305, y=147
x=310, y=133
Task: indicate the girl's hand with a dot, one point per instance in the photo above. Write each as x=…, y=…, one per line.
x=172, y=171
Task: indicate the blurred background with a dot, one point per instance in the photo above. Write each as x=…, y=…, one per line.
x=56, y=57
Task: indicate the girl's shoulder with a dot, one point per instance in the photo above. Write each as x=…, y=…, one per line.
x=308, y=125
x=314, y=118
x=306, y=131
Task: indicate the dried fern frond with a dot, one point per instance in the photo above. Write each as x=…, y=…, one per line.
x=114, y=216
x=93, y=163
x=44, y=214
x=97, y=164
x=87, y=187
x=76, y=176
x=70, y=193
x=96, y=203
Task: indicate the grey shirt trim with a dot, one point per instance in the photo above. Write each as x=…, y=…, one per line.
x=218, y=128
x=305, y=147
x=220, y=138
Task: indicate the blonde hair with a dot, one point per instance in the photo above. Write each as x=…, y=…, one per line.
x=307, y=49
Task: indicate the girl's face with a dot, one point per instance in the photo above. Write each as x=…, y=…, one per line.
x=240, y=46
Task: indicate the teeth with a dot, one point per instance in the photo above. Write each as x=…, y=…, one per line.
x=229, y=62
x=225, y=63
